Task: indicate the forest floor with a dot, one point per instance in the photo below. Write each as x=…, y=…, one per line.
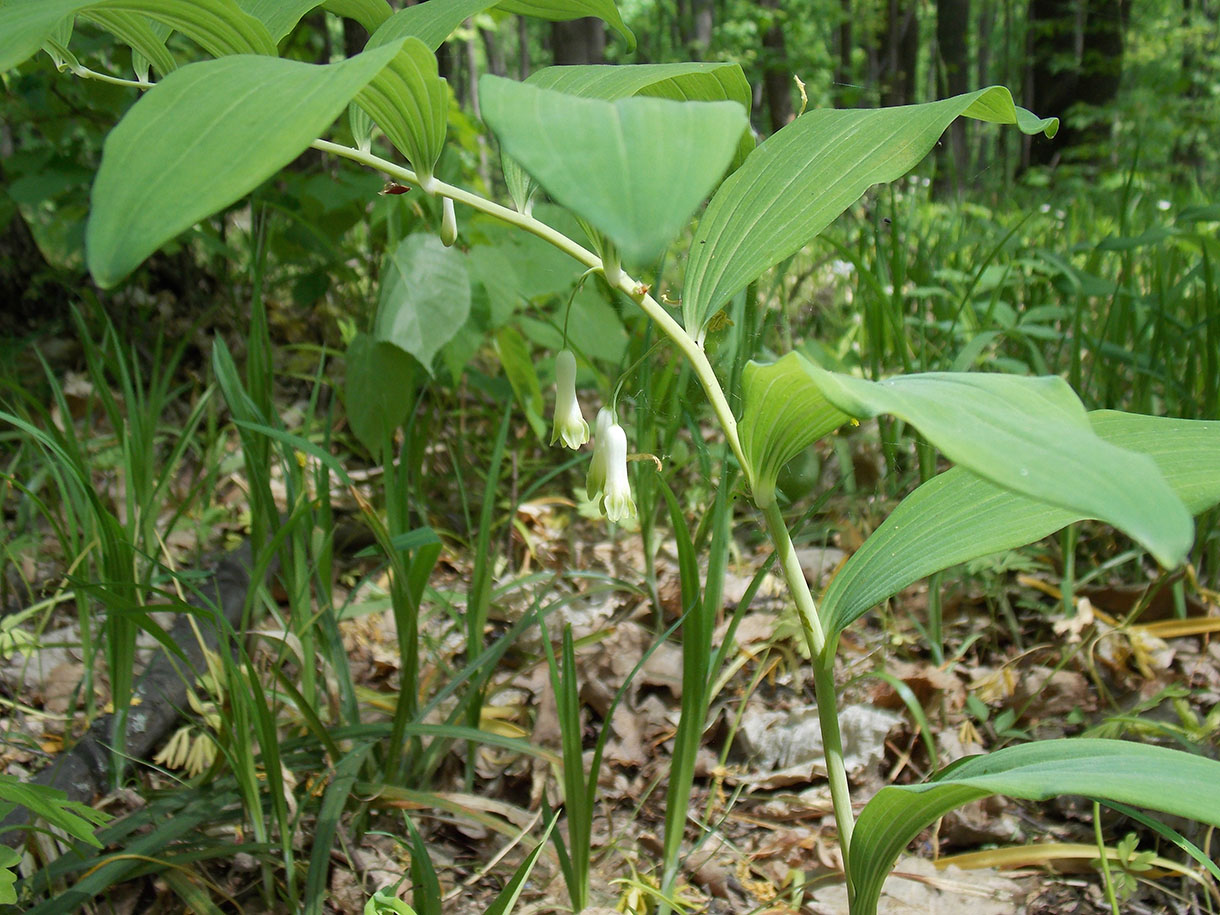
x=761, y=835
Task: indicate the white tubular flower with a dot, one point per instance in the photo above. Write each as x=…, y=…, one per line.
x=595, y=480
x=617, y=501
x=569, y=425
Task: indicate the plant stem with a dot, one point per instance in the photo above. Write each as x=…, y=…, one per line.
x=636, y=291
x=823, y=665
x=823, y=678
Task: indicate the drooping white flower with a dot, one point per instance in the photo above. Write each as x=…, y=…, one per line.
x=595, y=479
x=616, y=499
x=569, y=425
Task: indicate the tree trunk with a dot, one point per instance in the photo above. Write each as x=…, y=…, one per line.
x=1076, y=57
x=900, y=52
x=579, y=41
x=704, y=24
x=846, y=92
x=777, y=81
x=953, y=78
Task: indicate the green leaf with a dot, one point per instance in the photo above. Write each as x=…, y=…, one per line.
x=203, y=137
x=682, y=82
x=958, y=516
x=425, y=296
x=145, y=39
x=635, y=168
x=783, y=413
x=380, y=381
x=279, y=16
x=430, y=22
x=410, y=103
x=52, y=805
x=219, y=26
x=9, y=859
x=1105, y=770
x=796, y=183
x=563, y=10
x=514, y=355
x=369, y=13
x=1028, y=435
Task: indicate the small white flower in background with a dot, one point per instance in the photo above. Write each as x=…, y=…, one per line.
x=842, y=269
x=1163, y=205
x=595, y=479
x=1044, y=208
x=616, y=500
x=569, y=425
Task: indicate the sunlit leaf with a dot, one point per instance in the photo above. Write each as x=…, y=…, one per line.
x=219, y=26
x=430, y=22
x=958, y=516
x=203, y=137
x=410, y=103
x=1154, y=777
x=1028, y=435
x=369, y=13
x=635, y=168
x=805, y=175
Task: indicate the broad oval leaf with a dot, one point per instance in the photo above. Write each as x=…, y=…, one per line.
x=1029, y=435
x=806, y=174
x=410, y=103
x=682, y=82
x=563, y=10
x=958, y=516
x=425, y=297
x=1118, y=771
x=219, y=26
x=203, y=137
x=635, y=168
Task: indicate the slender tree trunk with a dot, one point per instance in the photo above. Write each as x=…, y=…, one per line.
x=846, y=93
x=899, y=52
x=777, y=80
x=523, y=47
x=579, y=41
x=495, y=53
x=953, y=78
x=983, y=75
x=704, y=24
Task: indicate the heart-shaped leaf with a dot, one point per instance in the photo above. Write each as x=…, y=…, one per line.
x=425, y=296
x=1119, y=771
x=203, y=137
x=805, y=175
x=635, y=168
x=958, y=516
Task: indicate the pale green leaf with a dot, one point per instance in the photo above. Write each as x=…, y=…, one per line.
x=219, y=26
x=682, y=82
x=1141, y=775
x=430, y=22
x=410, y=103
x=425, y=296
x=203, y=137
x=783, y=413
x=635, y=168
x=563, y=10
x=958, y=516
x=369, y=13
x=805, y=175
x=1028, y=435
